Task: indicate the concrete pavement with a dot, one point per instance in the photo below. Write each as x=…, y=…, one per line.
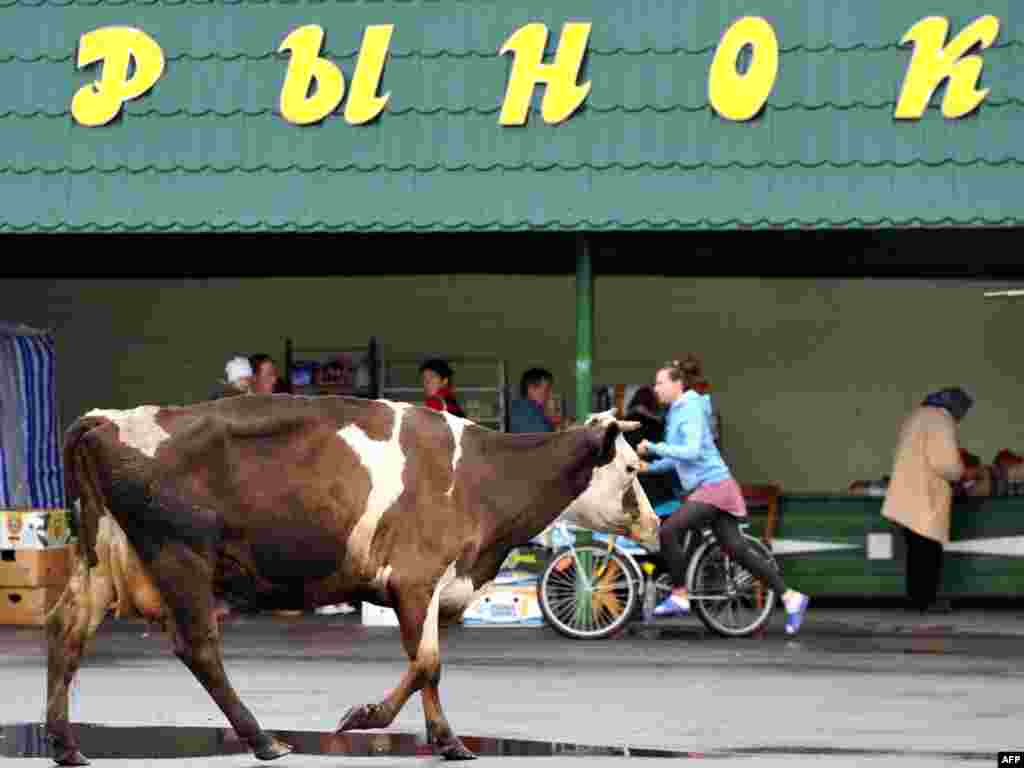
x=1003, y=618
x=859, y=686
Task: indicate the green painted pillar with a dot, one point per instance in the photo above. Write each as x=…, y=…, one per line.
x=584, y=360
x=584, y=328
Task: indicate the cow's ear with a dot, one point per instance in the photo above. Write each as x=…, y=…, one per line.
x=611, y=434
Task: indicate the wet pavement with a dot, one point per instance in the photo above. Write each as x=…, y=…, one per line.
x=101, y=742
x=856, y=687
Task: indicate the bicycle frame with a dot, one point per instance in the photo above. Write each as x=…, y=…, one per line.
x=643, y=574
x=614, y=543
x=638, y=572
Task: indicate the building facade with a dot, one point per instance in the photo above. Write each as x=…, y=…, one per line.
x=438, y=115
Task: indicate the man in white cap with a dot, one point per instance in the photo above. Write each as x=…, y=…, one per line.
x=239, y=379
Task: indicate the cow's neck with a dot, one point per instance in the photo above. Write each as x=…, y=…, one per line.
x=539, y=477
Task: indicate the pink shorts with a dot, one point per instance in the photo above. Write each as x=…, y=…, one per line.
x=724, y=495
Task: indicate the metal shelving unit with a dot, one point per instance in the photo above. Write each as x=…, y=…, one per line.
x=487, y=405
x=355, y=370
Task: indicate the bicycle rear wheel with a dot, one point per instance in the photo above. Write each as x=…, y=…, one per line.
x=727, y=597
x=571, y=610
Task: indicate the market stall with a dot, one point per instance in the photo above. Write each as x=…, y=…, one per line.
x=35, y=552
x=839, y=545
x=664, y=139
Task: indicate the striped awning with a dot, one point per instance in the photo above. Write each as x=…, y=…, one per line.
x=31, y=470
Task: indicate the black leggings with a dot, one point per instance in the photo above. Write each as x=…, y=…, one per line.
x=693, y=515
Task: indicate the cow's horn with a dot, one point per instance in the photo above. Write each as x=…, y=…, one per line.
x=602, y=416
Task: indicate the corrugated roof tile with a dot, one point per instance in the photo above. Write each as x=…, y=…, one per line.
x=206, y=148
x=556, y=199
x=856, y=78
x=460, y=27
x=671, y=141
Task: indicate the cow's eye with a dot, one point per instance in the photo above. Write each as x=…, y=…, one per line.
x=631, y=469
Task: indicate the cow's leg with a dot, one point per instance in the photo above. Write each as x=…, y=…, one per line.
x=196, y=635
x=439, y=732
x=70, y=627
x=412, y=610
x=417, y=609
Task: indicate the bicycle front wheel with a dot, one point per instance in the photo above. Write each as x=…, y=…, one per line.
x=582, y=614
x=727, y=597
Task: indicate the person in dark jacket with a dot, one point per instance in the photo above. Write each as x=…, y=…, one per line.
x=643, y=407
x=437, y=385
x=530, y=413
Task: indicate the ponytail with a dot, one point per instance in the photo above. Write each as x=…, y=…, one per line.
x=689, y=371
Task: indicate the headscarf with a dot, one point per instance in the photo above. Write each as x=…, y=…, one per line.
x=956, y=400
x=238, y=368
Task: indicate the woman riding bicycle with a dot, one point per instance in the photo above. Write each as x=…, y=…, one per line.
x=714, y=496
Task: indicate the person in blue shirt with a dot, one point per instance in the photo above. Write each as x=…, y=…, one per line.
x=712, y=495
x=530, y=413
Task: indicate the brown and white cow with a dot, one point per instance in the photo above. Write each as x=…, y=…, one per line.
x=290, y=502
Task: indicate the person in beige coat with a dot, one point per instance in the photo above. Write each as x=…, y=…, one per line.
x=920, y=492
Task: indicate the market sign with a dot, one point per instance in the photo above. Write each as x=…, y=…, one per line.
x=133, y=63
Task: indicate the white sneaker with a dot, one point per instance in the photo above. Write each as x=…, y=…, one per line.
x=331, y=610
x=796, y=607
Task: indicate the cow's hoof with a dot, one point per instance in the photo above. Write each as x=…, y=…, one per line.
x=454, y=749
x=365, y=717
x=273, y=750
x=353, y=720
x=71, y=757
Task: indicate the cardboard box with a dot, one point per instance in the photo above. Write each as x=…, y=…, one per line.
x=379, y=616
x=27, y=607
x=511, y=601
x=34, y=528
x=50, y=567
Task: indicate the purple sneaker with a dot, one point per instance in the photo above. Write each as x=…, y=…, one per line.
x=672, y=607
x=795, y=613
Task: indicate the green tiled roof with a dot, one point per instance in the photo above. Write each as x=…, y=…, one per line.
x=207, y=148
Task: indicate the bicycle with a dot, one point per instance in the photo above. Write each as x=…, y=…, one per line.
x=592, y=592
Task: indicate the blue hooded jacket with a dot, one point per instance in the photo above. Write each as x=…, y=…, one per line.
x=689, y=446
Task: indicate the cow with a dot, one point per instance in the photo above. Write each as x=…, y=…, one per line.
x=291, y=502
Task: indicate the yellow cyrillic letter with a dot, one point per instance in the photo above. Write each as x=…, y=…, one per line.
x=933, y=62
x=740, y=97
x=363, y=105
x=100, y=102
x=562, y=95
x=306, y=65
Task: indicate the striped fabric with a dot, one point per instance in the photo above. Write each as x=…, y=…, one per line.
x=32, y=473
x=5, y=493
x=11, y=489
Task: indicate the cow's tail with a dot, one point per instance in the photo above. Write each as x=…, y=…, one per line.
x=82, y=484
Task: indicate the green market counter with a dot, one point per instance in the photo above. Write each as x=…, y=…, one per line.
x=841, y=546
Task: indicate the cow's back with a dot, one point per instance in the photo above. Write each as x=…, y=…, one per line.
x=305, y=495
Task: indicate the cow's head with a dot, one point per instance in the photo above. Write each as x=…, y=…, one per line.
x=614, y=501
